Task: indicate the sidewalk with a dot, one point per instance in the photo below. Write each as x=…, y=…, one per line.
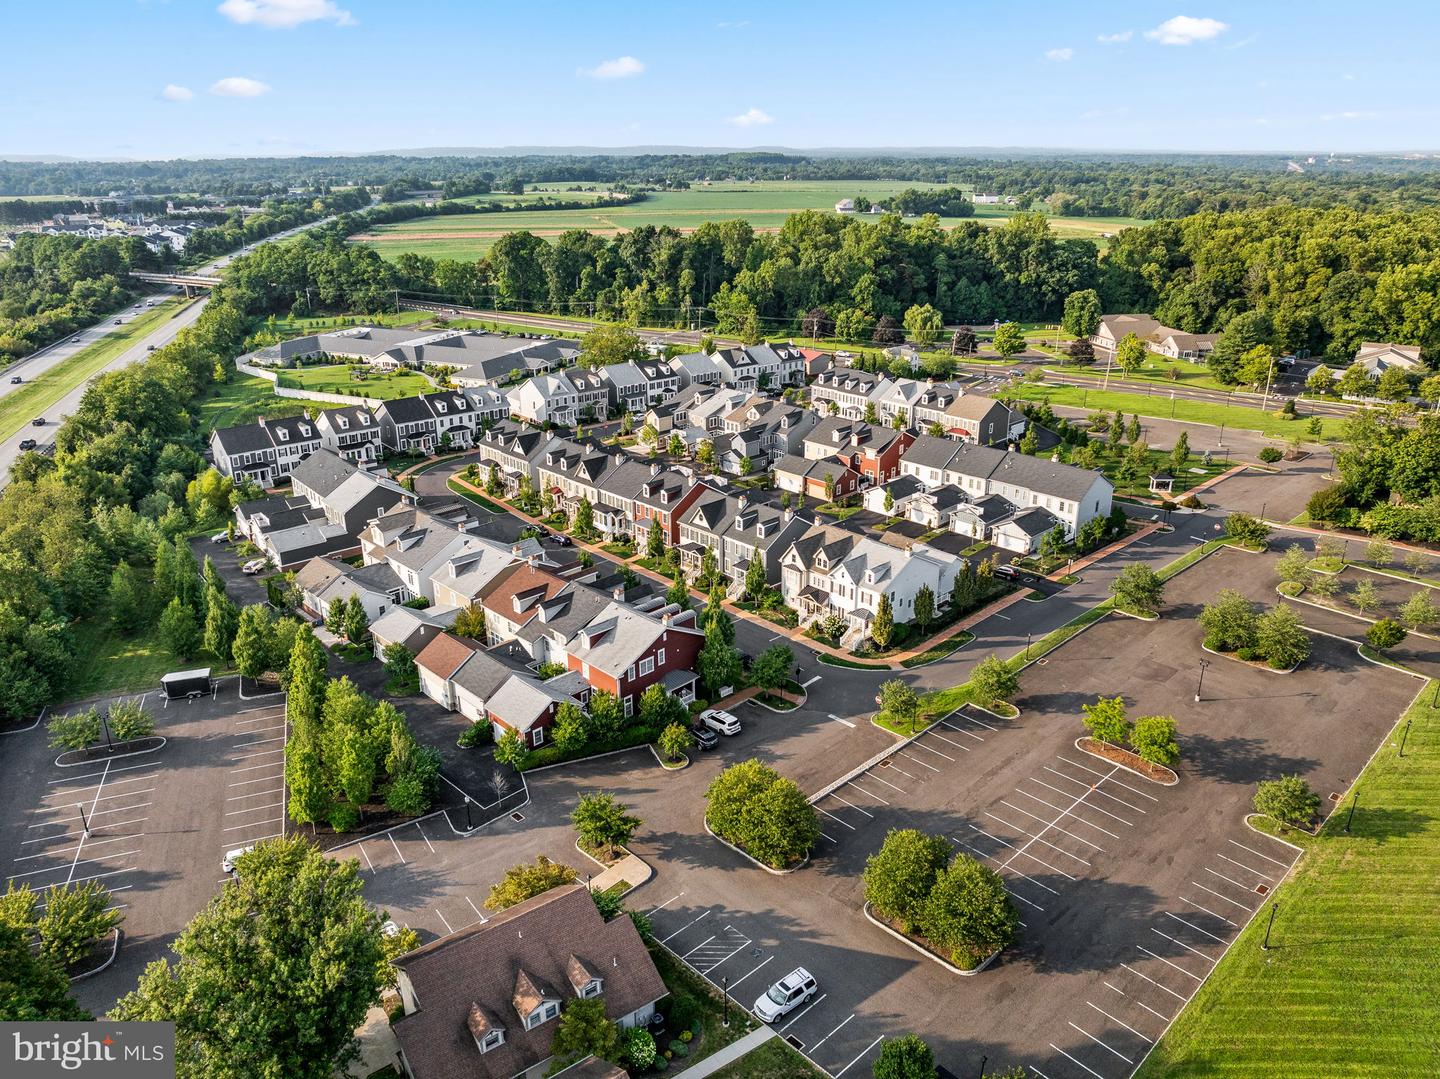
x=731, y=1053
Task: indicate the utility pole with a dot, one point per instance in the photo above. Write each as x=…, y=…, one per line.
x=1203, y=664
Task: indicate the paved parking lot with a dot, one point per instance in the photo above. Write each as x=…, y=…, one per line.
x=160, y=822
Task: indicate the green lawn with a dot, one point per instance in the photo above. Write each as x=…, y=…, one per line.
x=20, y=406
x=244, y=399
x=765, y=204
x=108, y=661
x=337, y=378
x=771, y=1060
x=319, y=323
x=1158, y=369
x=1163, y=407
x=479, y=500
x=1351, y=983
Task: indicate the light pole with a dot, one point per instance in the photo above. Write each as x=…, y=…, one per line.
x=1354, y=798
x=105, y=726
x=1201, y=681
x=84, y=821
x=468, y=825
x=1265, y=947
x=1027, y=647
x=725, y=992
x=1406, y=732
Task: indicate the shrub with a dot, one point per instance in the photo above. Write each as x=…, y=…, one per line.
x=993, y=680
x=679, y=1049
x=898, y=877
x=128, y=720
x=639, y=1047
x=1288, y=800
x=968, y=913
x=1153, y=738
x=343, y=817
x=1270, y=455
x=687, y=1036
x=1229, y=622
x=1105, y=720
x=1386, y=633
x=684, y=1011
x=642, y=925
x=474, y=734
x=1246, y=530
x=74, y=731
x=906, y=1057
x=751, y=806
x=1280, y=638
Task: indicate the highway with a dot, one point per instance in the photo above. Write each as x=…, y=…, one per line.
x=37, y=363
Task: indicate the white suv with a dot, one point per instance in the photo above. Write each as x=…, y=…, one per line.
x=786, y=995
x=721, y=721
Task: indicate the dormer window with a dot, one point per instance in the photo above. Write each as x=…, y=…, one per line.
x=305, y=430
x=547, y=1011
x=284, y=435
x=592, y=988
x=344, y=423
x=493, y=1040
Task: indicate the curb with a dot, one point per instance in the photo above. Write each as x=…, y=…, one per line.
x=773, y=872
x=1132, y=771
x=105, y=965
x=685, y=763
x=112, y=756
x=580, y=760
x=1252, y=663
x=926, y=952
x=1293, y=846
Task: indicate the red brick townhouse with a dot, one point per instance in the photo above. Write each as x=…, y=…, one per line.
x=625, y=650
x=869, y=449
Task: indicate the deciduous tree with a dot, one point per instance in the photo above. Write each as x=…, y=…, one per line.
x=527, y=880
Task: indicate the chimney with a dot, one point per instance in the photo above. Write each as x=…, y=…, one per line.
x=618, y=593
x=654, y=468
x=789, y=515
x=665, y=618
x=532, y=560
x=744, y=501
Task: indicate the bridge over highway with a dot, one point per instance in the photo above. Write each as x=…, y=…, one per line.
x=189, y=282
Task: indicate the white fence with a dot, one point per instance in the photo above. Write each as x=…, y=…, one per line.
x=272, y=375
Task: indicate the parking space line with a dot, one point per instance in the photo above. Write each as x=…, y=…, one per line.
x=1222, y=876
x=89, y=775
x=260, y=742
x=684, y=927
x=825, y=1039
x=1121, y=1022
x=927, y=749
x=252, y=824
x=959, y=730
x=917, y=760
x=712, y=966
x=1067, y=794
x=261, y=779
x=997, y=839
x=968, y=718
x=66, y=850
x=1163, y=1018
x=391, y=836
x=948, y=741
x=697, y=947
x=252, y=767
x=371, y=864
x=1032, y=857
x=1182, y=944
x=877, y=779
x=852, y=805
x=1076, y=816
x=98, y=799
x=837, y=719
x=867, y=794
x=1084, y=783
x=1167, y=962
x=254, y=794
x=665, y=904
x=1062, y=831
x=476, y=909
x=1101, y=1044
x=862, y=1052
x=253, y=809
x=896, y=768
x=443, y=921
x=836, y=819
x=1110, y=777
x=807, y=685
x=1068, y=1057
x=78, y=861
x=119, y=809
x=1257, y=854
x=427, y=840
x=1197, y=929
x=1016, y=872
x=1187, y=899
x=1245, y=867
x=801, y=1012
x=1153, y=982
x=751, y=971
x=1217, y=895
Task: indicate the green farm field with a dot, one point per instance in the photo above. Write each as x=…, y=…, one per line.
x=765, y=205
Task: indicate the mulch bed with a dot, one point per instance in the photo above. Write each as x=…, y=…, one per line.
x=1157, y=773
x=101, y=751
x=923, y=941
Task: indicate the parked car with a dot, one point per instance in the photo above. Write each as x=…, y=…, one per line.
x=562, y=541
x=1007, y=570
x=15, y=380
x=27, y=443
x=390, y=929
x=721, y=721
x=220, y=537
x=254, y=566
x=38, y=421
x=228, y=863
x=704, y=737
x=786, y=995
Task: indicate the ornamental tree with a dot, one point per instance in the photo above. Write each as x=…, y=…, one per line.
x=1153, y=738
x=968, y=913
x=527, y=880
x=1288, y=800
x=1106, y=720
x=899, y=876
x=602, y=822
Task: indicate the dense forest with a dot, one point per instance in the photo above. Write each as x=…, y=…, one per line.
x=1078, y=184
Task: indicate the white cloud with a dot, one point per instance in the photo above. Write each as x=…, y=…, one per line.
x=1186, y=30
x=732, y=25
x=284, y=14
x=1348, y=76
x=176, y=93
x=622, y=67
x=751, y=118
x=1349, y=114
x=1059, y=55
x=239, y=86
x=1115, y=39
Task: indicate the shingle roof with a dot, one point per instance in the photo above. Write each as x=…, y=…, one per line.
x=323, y=472
x=482, y=966
x=445, y=655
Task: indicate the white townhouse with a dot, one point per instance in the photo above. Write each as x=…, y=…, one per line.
x=697, y=369
x=828, y=570
x=351, y=431
x=265, y=452
x=546, y=399
x=847, y=389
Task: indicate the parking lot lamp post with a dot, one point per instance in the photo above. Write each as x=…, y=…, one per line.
x=1265, y=947
x=1406, y=732
x=725, y=992
x=983, y=1061
x=1027, y=648
x=84, y=821
x=105, y=726
x=468, y=825
x=1203, y=664
x=1354, y=798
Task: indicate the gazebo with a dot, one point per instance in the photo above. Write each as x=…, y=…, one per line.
x=1162, y=483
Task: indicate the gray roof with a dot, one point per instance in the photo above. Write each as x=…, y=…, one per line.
x=1034, y=521
x=816, y=470
x=323, y=472
x=482, y=674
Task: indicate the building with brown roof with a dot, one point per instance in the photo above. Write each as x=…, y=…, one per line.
x=513, y=597
x=485, y=1002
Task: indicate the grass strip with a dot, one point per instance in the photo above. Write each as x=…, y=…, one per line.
x=18, y=408
x=1352, y=978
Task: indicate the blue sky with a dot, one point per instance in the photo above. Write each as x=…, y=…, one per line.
x=187, y=78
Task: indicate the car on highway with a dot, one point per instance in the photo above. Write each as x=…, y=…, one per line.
x=704, y=737
x=254, y=566
x=74, y=340
x=150, y=348
x=786, y=995
x=38, y=421
x=27, y=443
x=15, y=380
x=117, y=322
x=721, y=721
